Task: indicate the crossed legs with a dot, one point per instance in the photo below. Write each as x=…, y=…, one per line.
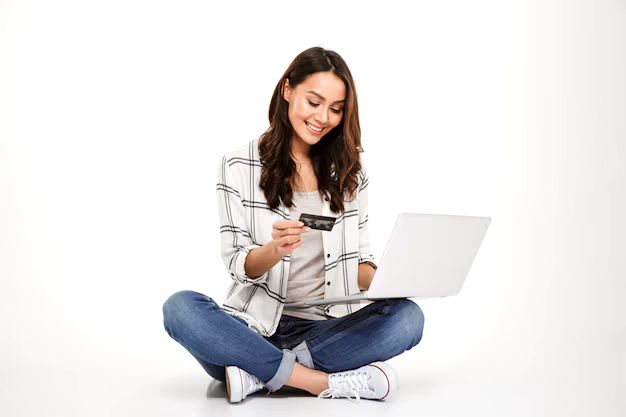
x=217, y=339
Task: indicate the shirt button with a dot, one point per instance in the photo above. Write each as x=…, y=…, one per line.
x=326, y=198
x=328, y=283
x=328, y=255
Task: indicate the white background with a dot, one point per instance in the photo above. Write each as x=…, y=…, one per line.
x=114, y=115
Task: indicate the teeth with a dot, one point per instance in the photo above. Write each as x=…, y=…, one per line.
x=314, y=128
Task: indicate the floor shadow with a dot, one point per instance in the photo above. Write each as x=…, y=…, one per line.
x=217, y=389
x=282, y=393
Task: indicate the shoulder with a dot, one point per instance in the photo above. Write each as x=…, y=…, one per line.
x=242, y=157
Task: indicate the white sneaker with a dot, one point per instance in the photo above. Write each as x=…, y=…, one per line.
x=376, y=381
x=240, y=384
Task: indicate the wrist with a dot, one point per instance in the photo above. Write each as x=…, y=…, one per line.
x=272, y=249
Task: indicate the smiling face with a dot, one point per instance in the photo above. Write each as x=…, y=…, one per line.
x=316, y=106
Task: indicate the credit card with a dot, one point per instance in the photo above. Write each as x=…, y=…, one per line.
x=315, y=221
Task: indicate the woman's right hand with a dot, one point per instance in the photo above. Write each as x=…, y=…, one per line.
x=286, y=236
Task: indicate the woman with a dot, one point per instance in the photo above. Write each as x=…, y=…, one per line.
x=306, y=162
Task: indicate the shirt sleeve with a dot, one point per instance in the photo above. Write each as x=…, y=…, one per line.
x=236, y=241
x=365, y=254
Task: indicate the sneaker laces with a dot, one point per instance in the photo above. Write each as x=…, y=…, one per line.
x=346, y=385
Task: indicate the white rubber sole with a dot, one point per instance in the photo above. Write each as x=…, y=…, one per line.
x=234, y=384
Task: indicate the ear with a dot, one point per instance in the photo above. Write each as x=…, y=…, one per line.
x=286, y=90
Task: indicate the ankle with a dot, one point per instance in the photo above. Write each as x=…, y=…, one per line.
x=310, y=380
x=320, y=385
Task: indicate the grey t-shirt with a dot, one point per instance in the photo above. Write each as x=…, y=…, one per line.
x=306, y=267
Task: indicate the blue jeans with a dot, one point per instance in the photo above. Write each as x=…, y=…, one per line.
x=376, y=332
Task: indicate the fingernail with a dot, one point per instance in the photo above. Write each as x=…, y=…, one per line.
x=300, y=224
x=306, y=229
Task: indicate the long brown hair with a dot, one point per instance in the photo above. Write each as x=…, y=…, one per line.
x=335, y=157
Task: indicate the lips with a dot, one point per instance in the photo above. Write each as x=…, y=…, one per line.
x=314, y=128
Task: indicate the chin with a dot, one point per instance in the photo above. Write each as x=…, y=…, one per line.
x=309, y=140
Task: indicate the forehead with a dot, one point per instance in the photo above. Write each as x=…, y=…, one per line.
x=327, y=84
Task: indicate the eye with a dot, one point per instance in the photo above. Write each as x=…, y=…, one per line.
x=336, y=111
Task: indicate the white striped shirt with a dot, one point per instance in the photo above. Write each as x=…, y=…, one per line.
x=246, y=223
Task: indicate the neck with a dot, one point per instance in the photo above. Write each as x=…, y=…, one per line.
x=300, y=150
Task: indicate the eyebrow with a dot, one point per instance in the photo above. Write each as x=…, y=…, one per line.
x=322, y=97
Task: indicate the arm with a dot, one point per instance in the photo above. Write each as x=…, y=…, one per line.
x=236, y=242
x=367, y=264
x=261, y=260
x=366, y=274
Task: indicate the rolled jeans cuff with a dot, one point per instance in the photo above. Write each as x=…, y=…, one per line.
x=284, y=371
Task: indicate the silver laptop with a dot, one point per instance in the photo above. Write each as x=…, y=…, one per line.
x=427, y=255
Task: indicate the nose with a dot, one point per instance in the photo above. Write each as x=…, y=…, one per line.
x=322, y=117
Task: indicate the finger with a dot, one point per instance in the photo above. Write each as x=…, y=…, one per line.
x=278, y=233
x=285, y=224
x=288, y=240
x=292, y=231
x=294, y=245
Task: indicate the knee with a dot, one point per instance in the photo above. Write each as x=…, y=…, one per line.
x=178, y=307
x=410, y=320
